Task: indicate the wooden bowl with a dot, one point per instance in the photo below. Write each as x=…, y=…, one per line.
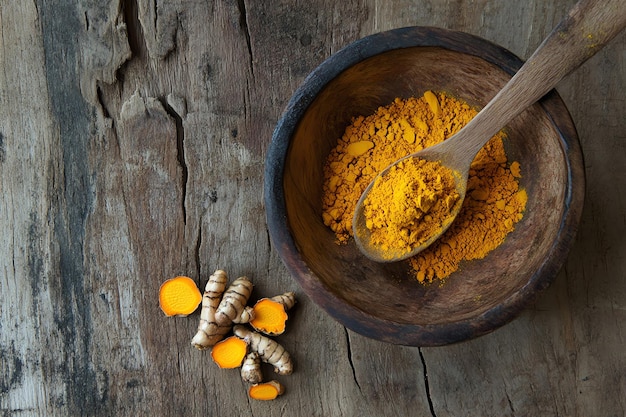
x=384, y=301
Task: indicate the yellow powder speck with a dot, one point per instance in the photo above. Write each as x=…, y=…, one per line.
x=515, y=169
x=433, y=103
x=360, y=147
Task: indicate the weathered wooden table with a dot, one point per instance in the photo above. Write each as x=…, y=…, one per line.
x=132, y=144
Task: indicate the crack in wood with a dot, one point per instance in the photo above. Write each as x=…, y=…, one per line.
x=243, y=24
x=426, y=384
x=180, y=147
x=3, y=151
x=349, y=349
x=136, y=39
x=101, y=101
x=269, y=240
x=197, y=252
x=508, y=398
x=156, y=15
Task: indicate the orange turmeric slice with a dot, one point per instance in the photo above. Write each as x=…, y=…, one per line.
x=270, y=317
x=229, y=353
x=179, y=296
x=266, y=391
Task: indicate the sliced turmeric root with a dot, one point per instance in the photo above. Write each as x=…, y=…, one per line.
x=269, y=317
x=266, y=391
x=229, y=353
x=270, y=314
x=179, y=296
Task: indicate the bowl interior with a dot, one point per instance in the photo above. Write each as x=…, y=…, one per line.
x=389, y=292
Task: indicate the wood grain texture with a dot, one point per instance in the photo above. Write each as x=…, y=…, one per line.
x=132, y=144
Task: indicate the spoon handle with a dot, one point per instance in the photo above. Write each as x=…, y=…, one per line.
x=589, y=26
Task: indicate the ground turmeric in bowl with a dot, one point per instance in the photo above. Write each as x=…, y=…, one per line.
x=494, y=202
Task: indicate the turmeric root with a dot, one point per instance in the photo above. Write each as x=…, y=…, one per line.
x=229, y=353
x=233, y=302
x=270, y=314
x=251, y=368
x=209, y=331
x=288, y=299
x=179, y=296
x=269, y=350
x=266, y=391
x=247, y=315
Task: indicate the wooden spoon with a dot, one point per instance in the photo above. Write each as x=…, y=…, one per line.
x=589, y=26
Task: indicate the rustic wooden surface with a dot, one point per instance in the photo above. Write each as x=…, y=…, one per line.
x=132, y=143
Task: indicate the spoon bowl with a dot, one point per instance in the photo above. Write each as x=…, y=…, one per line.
x=589, y=26
x=449, y=156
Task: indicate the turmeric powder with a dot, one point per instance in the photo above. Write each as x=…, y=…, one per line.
x=411, y=203
x=494, y=202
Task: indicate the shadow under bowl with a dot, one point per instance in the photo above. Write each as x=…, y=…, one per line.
x=384, y=301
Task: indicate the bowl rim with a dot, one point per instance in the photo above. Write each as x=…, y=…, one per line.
x=351, y=316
